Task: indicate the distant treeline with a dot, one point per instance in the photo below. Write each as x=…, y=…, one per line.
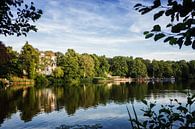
x=75, y=66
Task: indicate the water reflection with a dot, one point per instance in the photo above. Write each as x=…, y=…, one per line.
x=32, y=101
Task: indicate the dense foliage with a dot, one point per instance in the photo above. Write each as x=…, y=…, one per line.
x=73, y=66
x=29, y=59
x=16, y=17
x=180, y=28
x=174, y=115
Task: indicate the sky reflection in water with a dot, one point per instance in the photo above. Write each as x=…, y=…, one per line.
x=85, y=104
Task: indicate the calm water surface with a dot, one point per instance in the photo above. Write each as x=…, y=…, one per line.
x=84, y=104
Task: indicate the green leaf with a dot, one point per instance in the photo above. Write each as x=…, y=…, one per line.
x=181, y=119
x=146, y=32
x=144, y=101
x=169, y=25
x=156, y=28
x=178, y=27
x=180, y=42
x=193, y=96
x=159, y=14
x=193, y=113
x=188, y=42
x=156, y=3
x=173, y=41
x=26, y=6
x=168, y=38
x=182, y=109
x=158, y=36
x=152, y=105
x=164, y=110
x=160, y=116
x=145, y=123
x=149, y=35
x=137, y=5
x=145, y=10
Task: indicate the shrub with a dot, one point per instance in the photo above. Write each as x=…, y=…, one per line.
x=1, y=84
x=173, y=115
x=98, y=79
x=41, y=80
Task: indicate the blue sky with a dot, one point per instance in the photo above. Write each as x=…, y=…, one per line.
x=103, y=27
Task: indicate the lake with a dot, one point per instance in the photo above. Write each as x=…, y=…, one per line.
x=82, y=104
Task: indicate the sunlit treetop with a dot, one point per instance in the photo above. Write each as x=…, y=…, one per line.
x=180, y=28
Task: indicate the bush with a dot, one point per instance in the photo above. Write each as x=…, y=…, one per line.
x=177, y=115
x=56, y=81
x=1, y=85
x=58, y=72
x=41, y=80
x=98, y=79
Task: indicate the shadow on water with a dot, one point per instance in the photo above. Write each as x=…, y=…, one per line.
x=31, y=101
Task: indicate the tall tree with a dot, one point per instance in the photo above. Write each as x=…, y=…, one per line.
x=16, y=17
x=96, y=64
x=103, y=67
x=71, y=65
x=58, y=72
x=119, y=66
x=184, y=69
x=192, y=68
x=8, y=62
x=86, y=66
x=176, y=70
x=60, y=58
x=167, y=69
x=180, y=28
x=4, y=55
x=156, y=69
x=138, y=69
x=29, y=58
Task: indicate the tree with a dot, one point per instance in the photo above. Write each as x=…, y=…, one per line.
x=14, y=19
x=184, y=69
x=29, y=59
x=149, y=67
x=4, y=56
x=96, y=64
x=191, y=65
x=86, y=66
x=71, y=65
x=138, y=69
x=119, y=66
x=58, y=72
x=60, y=58
x=4, y=59
x=167, y=69
x=180, y=28
x=176, y=70
x=155, y=69
x=104, y=66
x=8, y=62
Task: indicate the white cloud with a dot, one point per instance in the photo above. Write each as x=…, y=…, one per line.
x=177, y=55
x=97, y=27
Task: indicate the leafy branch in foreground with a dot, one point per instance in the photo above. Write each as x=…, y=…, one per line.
x=180, y=28
x=173, y=115
x=16, y=17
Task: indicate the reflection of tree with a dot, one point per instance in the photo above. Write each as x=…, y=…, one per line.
x=137, y=91
x=32, y=101
x=8, y=104
x=28, y=105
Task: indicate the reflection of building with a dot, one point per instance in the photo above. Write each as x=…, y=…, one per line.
x=47, y=63
x=47, y=100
